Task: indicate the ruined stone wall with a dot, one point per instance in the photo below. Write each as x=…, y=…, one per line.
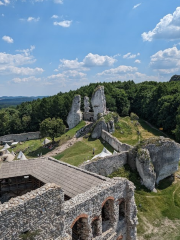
x=20, y=137
x=89, y=206
x=37, y=210
x=107, y=165
x=114, y=142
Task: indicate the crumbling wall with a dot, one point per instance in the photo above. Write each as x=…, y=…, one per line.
x=20, y=137
x=114, y=142
x=84, y=130
x=37, y=210
x=107, y=165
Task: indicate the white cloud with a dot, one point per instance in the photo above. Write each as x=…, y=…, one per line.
x=119, y=70
x=7, y=39
x=58, y=1
x=54, y=16
x=32, y=19
x=90, y=60
x=129, y=55
x=137, y=61
x=166, y=61
x=28, y=79
x=65, y=23
x=5, y=2
x=11, y=64
x=167, y=28
x=137, y=5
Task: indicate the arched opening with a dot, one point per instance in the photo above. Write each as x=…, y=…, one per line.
x=95, y=226
x=80, y=230
x=122, y=209
x=107, y=215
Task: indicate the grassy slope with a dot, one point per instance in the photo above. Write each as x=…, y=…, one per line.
x=33, y=147
x=158, y=213
x=127, y=131
x=82, y=151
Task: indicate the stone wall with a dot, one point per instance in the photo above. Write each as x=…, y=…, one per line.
x=107, y=165
x=84, y=130
x=37, y=210
x=114, y=142
x=20, y=137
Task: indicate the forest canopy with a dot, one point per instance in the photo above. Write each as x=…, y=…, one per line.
x=156, y=102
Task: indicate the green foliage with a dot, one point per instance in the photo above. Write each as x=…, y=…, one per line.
x=133, y=116
x=29, y=235
x=52, y=128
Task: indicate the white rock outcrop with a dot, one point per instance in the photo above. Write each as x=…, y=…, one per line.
x=86, y=104
x=75, y=114
x=98, y=102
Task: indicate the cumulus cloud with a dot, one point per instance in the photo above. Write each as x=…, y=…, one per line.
x=7, y=39
x=65, y=23
x=137, y=5
x=167, y=28
x=12, y=64
x=90, y=60
x=5, y=2
x=54, y=16
x=119, y=70
x=137, y=61
x=28, y=79
x=58, y=1
x=129, y=55
x=32, y=19
x=166, y=61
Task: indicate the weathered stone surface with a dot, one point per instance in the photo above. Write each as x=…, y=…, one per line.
x=98, y=102
x=100, y=125
x=107, y=165
x=145, y=168
x=86, y=104
x=114, y=142
x=75, y=114
x=84, y=130
x=165, y=154
x=110, y=126
x=20, y=137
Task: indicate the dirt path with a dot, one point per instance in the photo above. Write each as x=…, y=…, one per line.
x=63, y=147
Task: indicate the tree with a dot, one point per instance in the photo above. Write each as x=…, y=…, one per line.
x=52, y=128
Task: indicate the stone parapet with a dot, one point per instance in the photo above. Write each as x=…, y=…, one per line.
x=20, y=137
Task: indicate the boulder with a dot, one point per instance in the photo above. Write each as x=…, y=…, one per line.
x=98, y=101
x=145, y=168
x=75, y=114
x=86, y=104
x=96, y=133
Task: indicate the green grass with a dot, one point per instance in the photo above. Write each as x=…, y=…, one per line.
x=32, y=148
x=82, y=151
x=155, y=208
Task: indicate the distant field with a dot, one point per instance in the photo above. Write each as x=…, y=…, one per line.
x=158, y=213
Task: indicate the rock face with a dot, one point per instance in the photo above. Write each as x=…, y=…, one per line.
x=75, y=115
x=145, y=168
x=86, y=104
x=164, y=154
x=98, y=102
x=101, y=125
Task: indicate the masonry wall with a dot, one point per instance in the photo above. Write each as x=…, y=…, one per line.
x=20, y=137
x=106, y=165
x=37, y=210
x=114, y=142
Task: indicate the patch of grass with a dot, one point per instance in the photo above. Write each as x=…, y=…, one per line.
x=82, y=151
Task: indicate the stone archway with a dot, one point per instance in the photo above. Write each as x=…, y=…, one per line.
x=122, y=209
x=80, y=228
x=107, y=214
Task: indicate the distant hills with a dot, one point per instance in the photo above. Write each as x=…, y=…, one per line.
x=175, y=78
x=7, y=101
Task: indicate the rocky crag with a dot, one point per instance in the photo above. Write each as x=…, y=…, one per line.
x=98, y=102
x=75, y=114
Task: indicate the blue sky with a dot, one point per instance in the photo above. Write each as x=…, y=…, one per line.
x=48, y=46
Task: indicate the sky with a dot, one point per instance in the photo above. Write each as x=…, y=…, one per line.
x=48, y=46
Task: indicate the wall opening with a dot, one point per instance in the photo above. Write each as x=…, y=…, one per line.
x=107, y=215
x=80, y=230
x=122, y=210
x=95, y=226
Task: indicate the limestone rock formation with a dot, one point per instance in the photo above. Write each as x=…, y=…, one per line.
x=164, y=155
x=75, y=114
x=98, y=102
x=145, y=168
x=86, y=104
x=98, y=128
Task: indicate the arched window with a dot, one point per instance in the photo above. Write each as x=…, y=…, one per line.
x=80, y=229
x=122, y=209
x=107, y=215
x=95, y=226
